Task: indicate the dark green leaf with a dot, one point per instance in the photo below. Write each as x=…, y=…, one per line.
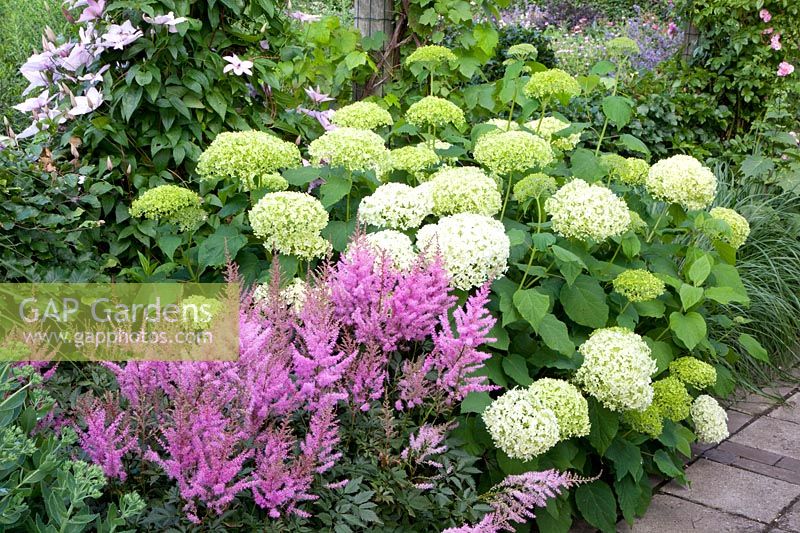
x=585, y=302
x=597, y=505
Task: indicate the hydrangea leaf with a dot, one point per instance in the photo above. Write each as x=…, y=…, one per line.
x=585, y=302
x=597, y=505
x=690, y=328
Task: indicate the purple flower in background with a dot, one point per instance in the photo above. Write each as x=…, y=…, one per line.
x=318, y=96
x=168, y=20
x=264, y=44
x=237, y=66
x=304, y=17
x=323, y=117
x=94, y=10
x=118, y=36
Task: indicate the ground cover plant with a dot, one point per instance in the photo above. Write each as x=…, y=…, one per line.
x=470, y=307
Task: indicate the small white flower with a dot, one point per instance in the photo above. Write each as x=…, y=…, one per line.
x=237, y=66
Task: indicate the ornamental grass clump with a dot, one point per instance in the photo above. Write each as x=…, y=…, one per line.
x=251, y=158
x=464, y=190
x=395, y=206
x=507, y=152
x=170, y=204
x=710, y=420
x=290, y=223
x=638, y=285
x=355, y=150
x=474, y=248
x=683, y=180
x=362, y=115
x=616, y=369
x=583, y=211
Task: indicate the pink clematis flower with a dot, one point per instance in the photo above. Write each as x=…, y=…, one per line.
x=168, y=20
x=775, y=42
x=304, y=17
x=119, y=36
x=765, y=15
x=784, y=69
x=35, y=104
x=94, y=10
x=78, y=57
x=87, y=103
x=317, y=96
x=237, y=66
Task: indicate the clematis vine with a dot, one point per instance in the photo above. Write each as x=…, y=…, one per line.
x=169, y=20
x=94, y=10
x=118, y=36
x=87, y=103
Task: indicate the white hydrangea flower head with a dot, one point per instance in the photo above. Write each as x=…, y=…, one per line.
x=474, y=248
x=251, y=157
x=547, y=127
x=499, y=125
x=740, y=227
x=616, y=369
x=512, y=151
x=565, y=400
x=353, y=149
x=290, y=222
x=520, y=426
x=293, y=294
x=362, y=115
x=464, y=190
x=415, y=160
x=583, y=211
x=392, y=245
x=395, y=206
x=710, y=420
x=682, y=179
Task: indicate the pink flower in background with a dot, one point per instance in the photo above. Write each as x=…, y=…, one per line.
x=87, y=103
x=304, y=17
x=318, y=96
x=767, y=31
x=237, y=66
x=119, y=36
x=784, y=69
x=775, y=42
x=672, y=29
x=168, y=20
x=94, y=9
x=765, y=15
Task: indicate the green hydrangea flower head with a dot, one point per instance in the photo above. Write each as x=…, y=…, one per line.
x=362, y=115
x=415, y=160
x=638, y=225
x=436, y=112
x=289, y=222
x=524, y=51
x=433, y=53
x=638, y=285
x=534, y=186
x=464, y=190
x=616, y=369
x=636, y=171
x=682, y=179
x=622, y=46
x=548, y=127
x=512, y=151
x=672, y=398
x=583, y=211
x=710, y=420
x=197, y=318
x=520, y=426
x=395, y=206
x=552, y=83
x=568, y=404
x=694, y=372
x=352, y=149
x=252, y=158
x=739, y=227
x=170, y=204
x=647, y=422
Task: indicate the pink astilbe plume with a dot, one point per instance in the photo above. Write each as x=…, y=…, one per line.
x=106, y=442
x=366, y=377
x=514, y=499
x=426, y=443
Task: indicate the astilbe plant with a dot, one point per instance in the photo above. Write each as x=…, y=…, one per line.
x=370, y=343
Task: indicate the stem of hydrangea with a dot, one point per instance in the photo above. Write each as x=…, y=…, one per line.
x=349, y=190
x=525, y=273
x=617, y=75
x=508, y=193
x=655, y=226
x=625, y=308
x=541, y=117
x=511, y=111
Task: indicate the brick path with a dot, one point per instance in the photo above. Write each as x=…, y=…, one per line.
x=748, y=483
